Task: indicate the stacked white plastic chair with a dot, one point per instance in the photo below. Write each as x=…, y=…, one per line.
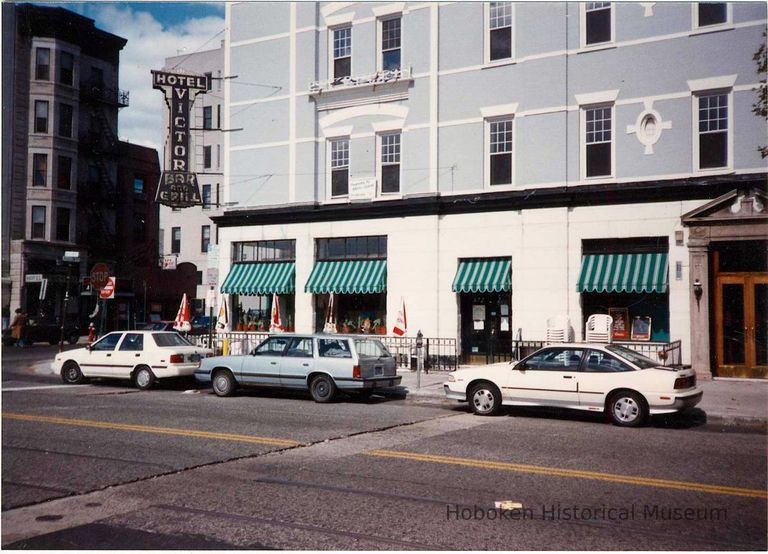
x=598, y=328
x=559, y=329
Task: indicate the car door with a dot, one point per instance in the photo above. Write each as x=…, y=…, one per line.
x=548, y=378
x=100, y=359
x=601, y=373
x=129, y=354
x=262, y=366
x=298, y=361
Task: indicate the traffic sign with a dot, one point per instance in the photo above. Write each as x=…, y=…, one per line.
x=108, y=290
x=99, y=275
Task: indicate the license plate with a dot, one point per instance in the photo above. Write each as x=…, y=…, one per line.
x=195, y=358
x=378, y=370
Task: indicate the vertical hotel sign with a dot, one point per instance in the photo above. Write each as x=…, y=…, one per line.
x=178, y=186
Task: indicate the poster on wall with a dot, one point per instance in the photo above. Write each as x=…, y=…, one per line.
x=620, y=328
x=478, y=312
x=641, y=328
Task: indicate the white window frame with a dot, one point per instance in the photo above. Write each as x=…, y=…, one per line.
x=487, y=151
x=727, y=24
x=487, y=37
x=47, y=229
x=380, y=163
x=695, y=131
x=380, y=36
x=583, y=28
x=331, y=58
x=329, y=169
x=583, y=140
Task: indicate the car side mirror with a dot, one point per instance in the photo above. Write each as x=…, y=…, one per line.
x=89, y=348
x=520, y=366
x=253, y=352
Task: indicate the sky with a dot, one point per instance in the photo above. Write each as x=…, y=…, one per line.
x=155, y=31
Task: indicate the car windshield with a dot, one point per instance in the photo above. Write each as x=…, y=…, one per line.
x=370, y=348
x=639, y=360
x=170, y=339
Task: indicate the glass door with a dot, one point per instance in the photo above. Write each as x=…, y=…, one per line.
x=741, y=326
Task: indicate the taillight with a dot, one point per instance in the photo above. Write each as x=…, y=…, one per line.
x=177, y=358
x=356, y=372
x=685, y=382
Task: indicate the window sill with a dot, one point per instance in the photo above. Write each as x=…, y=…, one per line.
x=711, y=29
x=499, y=63
x=500, y=187
x=597, y=47
x=714, y=171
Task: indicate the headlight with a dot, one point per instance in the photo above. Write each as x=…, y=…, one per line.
x=451, y=378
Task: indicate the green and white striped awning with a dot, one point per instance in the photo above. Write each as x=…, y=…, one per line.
x=624, y=273
x=483, y=275
x=260, y=278
x=348, y=277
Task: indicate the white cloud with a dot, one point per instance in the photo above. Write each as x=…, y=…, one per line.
x=149, y=44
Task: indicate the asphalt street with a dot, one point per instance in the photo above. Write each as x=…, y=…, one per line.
x=105, y=466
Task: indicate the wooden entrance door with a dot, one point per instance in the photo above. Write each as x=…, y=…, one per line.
x=741, y=325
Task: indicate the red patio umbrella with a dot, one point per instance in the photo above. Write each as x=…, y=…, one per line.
x=183, y=321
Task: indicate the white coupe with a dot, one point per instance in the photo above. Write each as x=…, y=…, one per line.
x=141, y=356
x=592, y=377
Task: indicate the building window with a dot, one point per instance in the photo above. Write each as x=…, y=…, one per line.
x=711, y=13
x=206, y=197
x=139, y=226
x=93, y=175
x=62, y=224
x=342, y=53
x=175, y=240
x=597, y=22
x=713, y=130
x=598, y=141
x=339, y=167
x=205, y=238
x=352, y=248
x=65, y=120
x=66, y=68
x=499, y=31
x=38, y=222
x=42, y=64
x=39, y=170
x=64, y=173
x=265, y=251
x=208, y=117
x=218, y=116
x=206, y=157
x=97, y=78
x=218, y=155
x=138, y=185
x=500, y=142
x=390, y=43
x=390, y=163
x=208, y=81
x=41, y=116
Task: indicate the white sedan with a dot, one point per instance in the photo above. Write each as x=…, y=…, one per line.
x=592, y=377
x=141, y=356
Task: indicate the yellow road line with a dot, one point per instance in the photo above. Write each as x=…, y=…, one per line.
x=579, y=474
x=148, y=429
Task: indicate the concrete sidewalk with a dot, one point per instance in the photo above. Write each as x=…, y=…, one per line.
x=724, y=400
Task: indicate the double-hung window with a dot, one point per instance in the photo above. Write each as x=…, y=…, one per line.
x=41, y=116
x=708, y=14
x=208, y=117
x=390, y=163
x=500, y=31
x=39, y=170
x=206, y=157
x=206, y=197
x=597, y=23
x=339, y=167
x=65, y=120
x=62, y=224
x=66, y=68
x=598, y=141
x=42, y=64
x=205, y=238
x=38, y=222
x=64, y=173
x=342, y=52
x=391, y=37
x=713, y=130
x=175, y=240
x=500, y=142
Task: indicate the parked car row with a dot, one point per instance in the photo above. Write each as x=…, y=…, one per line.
x=592, y=377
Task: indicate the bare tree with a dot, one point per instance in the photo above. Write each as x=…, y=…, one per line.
x=760, y=108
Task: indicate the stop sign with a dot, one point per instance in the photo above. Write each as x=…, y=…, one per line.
x=108, y=291
x=99, y=275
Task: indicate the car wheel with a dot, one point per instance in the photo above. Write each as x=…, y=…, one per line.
x=223, y=383
x=484, y=398
x=73, y=338
x=71, y=374
x=143, y=378
x=628, y=409
x=322, y=388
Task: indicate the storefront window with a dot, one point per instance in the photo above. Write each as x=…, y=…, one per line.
x=265, y=251
x=352, y=248
x=252, y=313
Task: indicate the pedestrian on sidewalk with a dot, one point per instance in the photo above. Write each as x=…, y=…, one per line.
x=18, y=326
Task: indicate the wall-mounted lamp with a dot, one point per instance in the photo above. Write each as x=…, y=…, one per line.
x=698, y=290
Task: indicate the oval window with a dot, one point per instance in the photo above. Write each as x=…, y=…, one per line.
x=649, y=126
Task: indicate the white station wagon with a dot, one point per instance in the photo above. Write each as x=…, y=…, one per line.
x=141, y=356
x=592, y=377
